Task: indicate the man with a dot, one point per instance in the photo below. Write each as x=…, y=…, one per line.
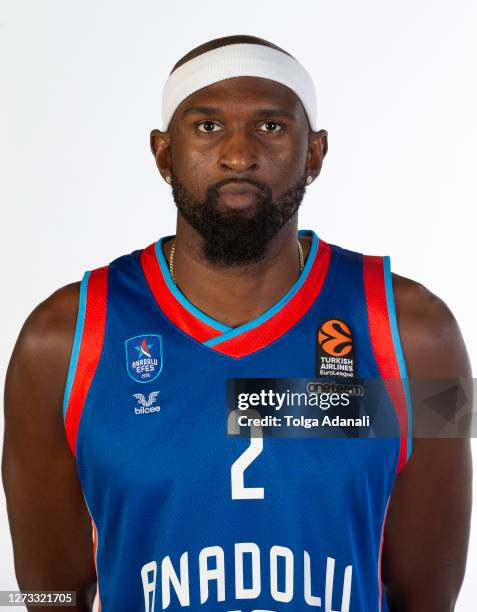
x=116, y=391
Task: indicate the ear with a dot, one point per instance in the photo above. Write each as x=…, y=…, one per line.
x=160, y=147
x=317, y=149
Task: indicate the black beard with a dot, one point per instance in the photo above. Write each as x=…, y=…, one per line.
x=234, y=237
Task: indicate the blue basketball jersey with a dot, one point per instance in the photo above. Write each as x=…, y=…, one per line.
x=185, y=516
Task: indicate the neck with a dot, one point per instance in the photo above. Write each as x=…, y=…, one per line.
x=238, y=294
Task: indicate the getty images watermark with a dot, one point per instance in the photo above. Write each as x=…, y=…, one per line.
x=357, y=408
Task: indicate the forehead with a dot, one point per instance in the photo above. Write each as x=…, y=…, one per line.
x=245, y=93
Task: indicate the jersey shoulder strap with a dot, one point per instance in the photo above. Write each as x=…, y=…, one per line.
x=86, y=349
x=386, y=345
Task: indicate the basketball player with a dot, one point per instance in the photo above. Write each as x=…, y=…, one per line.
x=116, y=390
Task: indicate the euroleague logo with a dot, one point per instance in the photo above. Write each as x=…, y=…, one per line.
x=335, y=338
x=334, y=349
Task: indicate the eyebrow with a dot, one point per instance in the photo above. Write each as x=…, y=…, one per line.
x=264, y=113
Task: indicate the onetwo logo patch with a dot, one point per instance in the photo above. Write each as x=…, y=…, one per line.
x=144, y=357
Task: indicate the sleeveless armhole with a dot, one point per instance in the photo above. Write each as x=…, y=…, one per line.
x=86, y=350
x=386, y=344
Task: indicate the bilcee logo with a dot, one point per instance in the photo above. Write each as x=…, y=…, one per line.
x=146, y=405
x=335, y=338
x=144, y=357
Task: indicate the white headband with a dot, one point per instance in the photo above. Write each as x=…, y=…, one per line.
x=242, y=59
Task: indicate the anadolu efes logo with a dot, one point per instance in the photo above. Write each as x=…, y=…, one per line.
x=144, y=357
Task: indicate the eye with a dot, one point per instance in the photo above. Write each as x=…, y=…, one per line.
x=208, y=126
x=271, y=127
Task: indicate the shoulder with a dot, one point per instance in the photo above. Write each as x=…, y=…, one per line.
x=41, y=355
x=49, y=329
x=430, y=335
x=51, y=320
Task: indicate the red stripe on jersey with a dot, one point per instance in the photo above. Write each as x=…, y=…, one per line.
x=383, y=345
x=90, y=350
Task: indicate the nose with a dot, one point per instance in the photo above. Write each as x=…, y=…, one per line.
x=238, y=153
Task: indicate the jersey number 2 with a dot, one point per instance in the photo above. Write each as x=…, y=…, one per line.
x=239, y=490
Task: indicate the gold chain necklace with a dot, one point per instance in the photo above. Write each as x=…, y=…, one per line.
x=171, y=258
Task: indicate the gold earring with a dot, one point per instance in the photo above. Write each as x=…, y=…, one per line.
x=168, y=179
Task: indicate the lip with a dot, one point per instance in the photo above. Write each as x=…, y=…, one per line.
x=238, y=195
x=239, y=189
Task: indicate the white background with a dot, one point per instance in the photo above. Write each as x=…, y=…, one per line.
x=81, y=89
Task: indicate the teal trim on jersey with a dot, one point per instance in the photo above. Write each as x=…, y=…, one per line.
x=76, y=341
x=180, y=297
x=398, y=346
x=230, y=332
x=276, y=307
